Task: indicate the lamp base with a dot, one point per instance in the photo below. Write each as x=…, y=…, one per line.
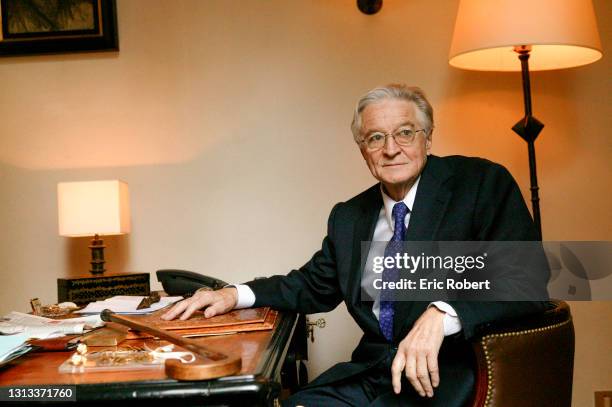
x=85, y=289
x=97, y=256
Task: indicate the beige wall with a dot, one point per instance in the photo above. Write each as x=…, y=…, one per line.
x=218, y=108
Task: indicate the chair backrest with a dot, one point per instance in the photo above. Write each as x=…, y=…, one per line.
x=527, y=362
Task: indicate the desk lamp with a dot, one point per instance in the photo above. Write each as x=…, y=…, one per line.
x=93, y=208
x=96, y=208
x=509, y=35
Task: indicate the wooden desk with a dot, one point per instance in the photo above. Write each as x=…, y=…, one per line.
x=258, y=383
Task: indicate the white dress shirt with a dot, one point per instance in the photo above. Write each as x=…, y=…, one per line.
x=382, y=233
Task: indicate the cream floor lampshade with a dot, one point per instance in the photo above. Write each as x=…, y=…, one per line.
x=561, y=33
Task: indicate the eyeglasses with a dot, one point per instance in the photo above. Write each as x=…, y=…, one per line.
x=404, y=136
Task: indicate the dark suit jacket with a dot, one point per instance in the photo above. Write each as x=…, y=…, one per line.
x=458, y=198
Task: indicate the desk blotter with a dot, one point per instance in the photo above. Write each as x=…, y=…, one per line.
x=251, y=319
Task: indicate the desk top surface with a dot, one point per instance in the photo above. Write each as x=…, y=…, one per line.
x=261, y=352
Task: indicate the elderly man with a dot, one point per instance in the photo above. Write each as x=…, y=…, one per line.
x=411, y=353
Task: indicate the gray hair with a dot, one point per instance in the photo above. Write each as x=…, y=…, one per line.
x=394, y=91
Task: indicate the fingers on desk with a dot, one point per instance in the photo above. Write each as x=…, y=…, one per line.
x=188, y=306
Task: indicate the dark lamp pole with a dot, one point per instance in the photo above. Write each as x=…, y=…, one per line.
x=529, y=128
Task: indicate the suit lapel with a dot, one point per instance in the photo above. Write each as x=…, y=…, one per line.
x=363, y=230
x=430, y=205
x=431, y=201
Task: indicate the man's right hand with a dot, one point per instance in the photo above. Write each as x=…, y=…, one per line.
x=216, y=302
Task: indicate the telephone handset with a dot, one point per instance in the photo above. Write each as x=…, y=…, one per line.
x=185, y=283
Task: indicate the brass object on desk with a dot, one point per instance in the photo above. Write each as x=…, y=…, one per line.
x=148, y=301
x=109, y=335
x=36, y=306
x=208, y=364
x=52, y=310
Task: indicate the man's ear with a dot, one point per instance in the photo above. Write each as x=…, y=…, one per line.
x=428, y=144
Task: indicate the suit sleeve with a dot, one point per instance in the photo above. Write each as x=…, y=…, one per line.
x=312, y=288
x=501, y=215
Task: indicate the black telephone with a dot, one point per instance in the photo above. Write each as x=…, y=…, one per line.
x=185, y=283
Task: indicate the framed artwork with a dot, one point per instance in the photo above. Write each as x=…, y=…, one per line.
x=34, y=27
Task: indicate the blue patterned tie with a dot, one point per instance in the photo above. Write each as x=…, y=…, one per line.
x=395, y=245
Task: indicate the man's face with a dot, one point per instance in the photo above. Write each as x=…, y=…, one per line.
x=396, y=166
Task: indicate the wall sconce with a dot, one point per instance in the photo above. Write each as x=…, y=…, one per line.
x=369, y=6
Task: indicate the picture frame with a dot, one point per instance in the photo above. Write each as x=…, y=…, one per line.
x=39, y=27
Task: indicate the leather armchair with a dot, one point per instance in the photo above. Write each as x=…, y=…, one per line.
x=527, y=362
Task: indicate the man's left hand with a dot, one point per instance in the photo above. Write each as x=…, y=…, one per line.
x=417, y=354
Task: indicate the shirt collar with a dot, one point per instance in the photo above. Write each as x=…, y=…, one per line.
x=388, y=202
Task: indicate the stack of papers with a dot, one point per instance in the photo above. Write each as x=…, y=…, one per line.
x=126, y=304
x=13, y=346
x=37, y=327
x=16, y=328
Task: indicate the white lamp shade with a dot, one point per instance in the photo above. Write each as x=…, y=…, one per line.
x=94, y=207
x=562, y=34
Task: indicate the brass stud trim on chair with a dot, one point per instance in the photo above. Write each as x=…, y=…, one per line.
x=484, y=341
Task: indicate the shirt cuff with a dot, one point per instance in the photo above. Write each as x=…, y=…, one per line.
x=246, y=296
x=451, y=321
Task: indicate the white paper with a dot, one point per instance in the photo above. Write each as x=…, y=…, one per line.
x=10, y=344
x=34, y=326
x=126, y=304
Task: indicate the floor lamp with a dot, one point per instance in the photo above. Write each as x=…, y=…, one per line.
x=519, y=35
